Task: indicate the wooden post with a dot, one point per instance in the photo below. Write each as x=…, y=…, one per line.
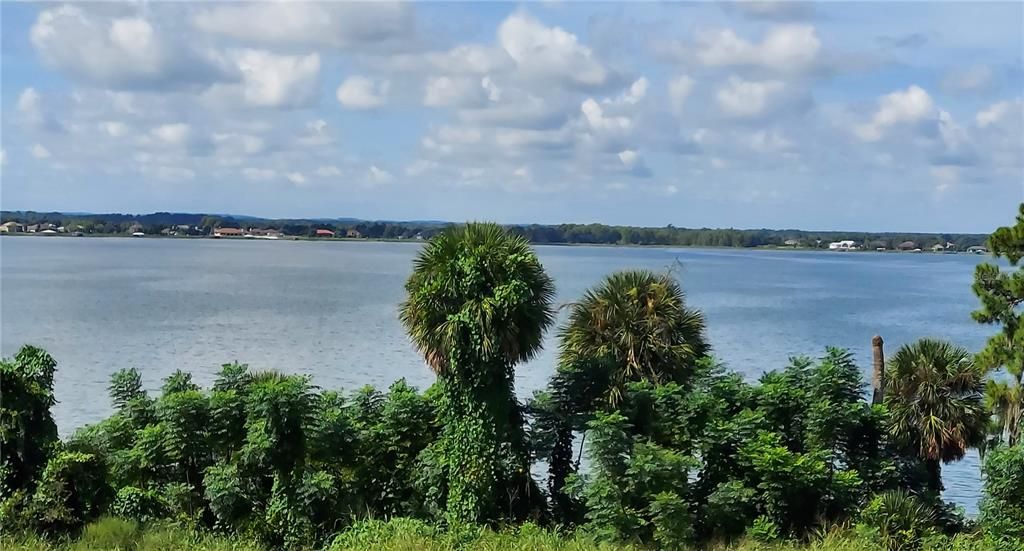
x=878, y=372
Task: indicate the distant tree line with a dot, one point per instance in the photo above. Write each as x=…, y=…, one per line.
x=594, y=234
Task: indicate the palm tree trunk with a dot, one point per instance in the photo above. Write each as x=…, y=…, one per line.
x=934, y=475
x=878, y=372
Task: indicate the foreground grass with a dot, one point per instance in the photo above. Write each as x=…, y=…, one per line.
x=112, y=534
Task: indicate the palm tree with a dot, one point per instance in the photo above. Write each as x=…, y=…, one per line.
x=479, y=302
x=933, y=393
x=637, y=323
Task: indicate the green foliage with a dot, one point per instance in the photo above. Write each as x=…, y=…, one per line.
x=1002, y=296
x=637, y=323
x=71, y=491
x=478, y=302
x=27, y=430
x=899, y=519
x=933, y=394
x=1002, y=507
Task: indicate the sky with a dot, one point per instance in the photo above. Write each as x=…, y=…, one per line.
x=875, y=116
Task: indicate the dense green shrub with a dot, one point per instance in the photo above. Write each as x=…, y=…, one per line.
x=1002, y=507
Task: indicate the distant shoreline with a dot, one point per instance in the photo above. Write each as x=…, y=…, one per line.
x=420, y=241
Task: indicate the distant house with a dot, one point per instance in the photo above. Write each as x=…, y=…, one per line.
x=32, y=228
x=135, y=228
x=845, y=245
x=791, y=242
x=324, y=233
x=353, y=233
x=938, y=248
x=907, y=246
x=228, y=232
x=11, y=227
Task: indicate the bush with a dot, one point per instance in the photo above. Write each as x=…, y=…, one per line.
x=1002, y=507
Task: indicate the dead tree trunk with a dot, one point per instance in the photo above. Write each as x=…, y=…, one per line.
x=878, y=373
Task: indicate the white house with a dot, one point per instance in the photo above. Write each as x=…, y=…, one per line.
x=842, y=245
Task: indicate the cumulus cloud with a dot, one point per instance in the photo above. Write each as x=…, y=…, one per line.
x=269, y=80
x=174, y=134
x=122, y=52
x=598, y=120
x=355, y=25
x=377, y=175
x=551, y=54
x=789, y=48
x=997, y=112
x=448, y=91
x=359, y=92
x=747, y=98
x=899, y=107
x=296, y=178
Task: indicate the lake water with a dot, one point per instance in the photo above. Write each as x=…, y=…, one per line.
x=329, y=309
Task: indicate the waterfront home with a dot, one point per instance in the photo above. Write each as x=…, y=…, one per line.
x=11, y=227
x=228, y=232
x=791, y=242
x=907, y=246
x=845, y=245
x=324, y=233
x=938, y=248
x=353, y=233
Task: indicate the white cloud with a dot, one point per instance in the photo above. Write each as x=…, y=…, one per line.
x=273, y=80
x=175, y=134
x=628, y=157
x=29, y=101
x=121, y=52
x=597, y=119
x=358, y=92
x=901, y=106
x=355, y=25
x=234, y=144
x=296, y=178
x=446, y=91
x=378, y=175
x=746, y=98
x=636, y=92
x=679, y=89
x=549, y=54
x=789, y=48
x=997, y=112
x=40, y=152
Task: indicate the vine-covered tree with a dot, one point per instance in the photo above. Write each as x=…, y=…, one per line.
x=479, y=302
x=1002, y=296
x=934, y=397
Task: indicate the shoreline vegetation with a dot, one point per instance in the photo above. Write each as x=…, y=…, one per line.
x=644, y=440
x=203, y=225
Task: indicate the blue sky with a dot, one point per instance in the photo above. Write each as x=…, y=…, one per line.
x=828, y=115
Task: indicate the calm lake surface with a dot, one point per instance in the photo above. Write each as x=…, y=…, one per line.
x=329, y=309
